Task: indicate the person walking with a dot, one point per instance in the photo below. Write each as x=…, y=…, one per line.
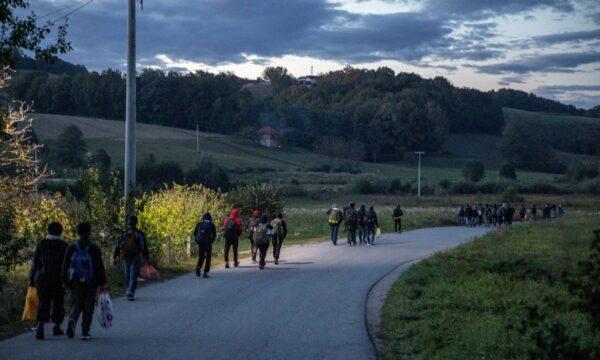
x=362, y=225
x=252, y=222
x=83, y=273
x=205, y=234
x=262, y=234
x=132, y=249
x=351, y=222
x=534, y=212
x=232, y=229
x=279, y=233
x=372, y=225
x=522, y=212
x=45, y=276
x=397, y=215
x=335, y=218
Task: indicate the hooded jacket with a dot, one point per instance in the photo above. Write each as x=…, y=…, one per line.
x=238, y=222
x=99, y=275
x=47, y=261
x=206, y=218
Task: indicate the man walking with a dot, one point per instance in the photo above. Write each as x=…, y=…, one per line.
x=262, y=234
x=252, y=222
x=335, y=218
x=83, y=272
x=279, y=233
x=351, y=222
x=372, y=225
x=397, y=215
x=131, y=248
x=205, y=234
x=232, y=229
x=363, y=232
x=45, y=275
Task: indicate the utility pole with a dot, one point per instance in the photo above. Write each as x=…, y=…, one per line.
x=419, y=154
x=130, y=112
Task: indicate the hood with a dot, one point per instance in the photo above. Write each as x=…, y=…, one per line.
x=256, y=213
x=53, y=237
x=264, y=219
x=207, y=216
x=234, y=213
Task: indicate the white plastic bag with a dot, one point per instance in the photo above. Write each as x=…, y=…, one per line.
x=105, y=315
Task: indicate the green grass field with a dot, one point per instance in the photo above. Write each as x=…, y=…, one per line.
x=465, y=302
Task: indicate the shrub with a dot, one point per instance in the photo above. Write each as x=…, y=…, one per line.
x=543, y=188
x=265, y=197
x=210, y=175
x=153, y=176
x=463, y=188
x=507, y=171
x=351, y=167
x=511, y=194
x=70, y=147
x=581, y=171
x=491, y=188
x=545, y=167
x=474, y=171
x=445, y=184
x=368, y=185
x=293, y=191
x=591, y=186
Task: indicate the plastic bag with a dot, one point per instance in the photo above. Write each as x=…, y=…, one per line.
x=149, y=272
x=105, y=314
x=378, y=232
x=31, y=305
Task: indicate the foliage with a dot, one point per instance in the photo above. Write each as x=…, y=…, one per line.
x=523, y=143
x=473, y=171
x=33, y=216
x=152, y=175
x=580, y=171
x=337, y=147
x=175, y=211
x=511, y=195
x=209, y=174
x=70, y=148
x=463, y=188
x=508, y=171
x=265, y=197
x=368, y=185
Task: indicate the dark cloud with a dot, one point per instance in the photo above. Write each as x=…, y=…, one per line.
x=550, y=63
x=583, y=96
x=507, y=80
x=564, y=37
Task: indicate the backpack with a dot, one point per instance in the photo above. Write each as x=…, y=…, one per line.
x=230, y=229
x=252, y=224
x=397, y=213
x=129, y=247
x=204, y=233
x=334, y=217
x=260, y=235
x=277, y=225
x=81, y=266
x=351, y=218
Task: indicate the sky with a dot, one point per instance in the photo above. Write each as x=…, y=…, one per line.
x=548, y=47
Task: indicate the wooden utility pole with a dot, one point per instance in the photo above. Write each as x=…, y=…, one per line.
x=130, y=112
x=419, y=154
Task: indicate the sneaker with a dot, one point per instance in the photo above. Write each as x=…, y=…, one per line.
x=205, y=275
x=39, y=332
x=86, y=336
x=130, y=297
x=276, y=261
x=57, y=331
x=71, y=329
x=226, y=265
x=236, y=263
x=254, y=260
x=262, y=267
x=198, y=272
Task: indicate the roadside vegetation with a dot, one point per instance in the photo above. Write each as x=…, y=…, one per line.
x=526, y=292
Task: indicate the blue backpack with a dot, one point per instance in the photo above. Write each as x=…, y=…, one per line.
x=81, y=268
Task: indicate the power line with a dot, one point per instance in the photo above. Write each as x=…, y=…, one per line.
x=70, y=12
x=58, y=11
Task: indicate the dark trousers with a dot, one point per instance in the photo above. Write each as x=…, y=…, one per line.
x=262, y=249
x=397, y=225
x=371, y=230
x=277, y=242
x=334, y=233
x=83, y=299
x=363, y=233
x=204, y=254
x=228, y=244
x=52, y=296
x=253, y=249
x=351, y=236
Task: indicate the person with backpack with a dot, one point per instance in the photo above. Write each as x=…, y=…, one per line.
x=363, y=232
x=132, y=249
x=279, y=233
x=351, y=222
x=83, y=273
x=522, y=212
x=262, y=234
x=335, y=219
x=232, y=229
x=45, y=276
x=372, y=225
x=397, y=215
x=205, y=234
x=252, y=222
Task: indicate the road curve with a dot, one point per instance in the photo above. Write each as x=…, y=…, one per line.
x=311, y=306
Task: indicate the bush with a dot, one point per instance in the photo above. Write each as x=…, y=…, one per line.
x=445, y=184
x=511, y=195
x=543, y=188
x=293, y=191
x=460, y=188
x=545, y=167
x=70, y=147
x=210, y=175
x=491, y=188
x=265, y=197
x=366, y=185
x=351, y=167
x=507, y=171
x=474, y=171
x=580, y=171
x=591, y=186
x=153, y=176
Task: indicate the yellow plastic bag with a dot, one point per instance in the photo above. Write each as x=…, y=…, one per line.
x=31, y=305
x=378, y=232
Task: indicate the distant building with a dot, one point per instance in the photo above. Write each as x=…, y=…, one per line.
x=308, y=81
x=269, y=137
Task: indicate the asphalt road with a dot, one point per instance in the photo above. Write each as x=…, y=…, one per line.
x=311, y=306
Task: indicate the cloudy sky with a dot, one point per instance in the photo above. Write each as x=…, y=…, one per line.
x=549, y=47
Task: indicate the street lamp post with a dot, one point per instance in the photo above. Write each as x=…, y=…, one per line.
x=419, y=154
x=130, y=112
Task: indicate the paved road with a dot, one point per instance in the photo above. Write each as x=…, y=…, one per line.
x=311, y=306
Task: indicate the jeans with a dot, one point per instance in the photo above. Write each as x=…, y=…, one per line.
x=253, y=248
x=371, y=235
x=398, y=225
x=204, y=255
x=132, y=271
x=228, y=244
x=334, y=233
x=83, y=298
x=362, y=233
x=277, y=242
x=262, y=249
x=51, y=296
x=351, y=235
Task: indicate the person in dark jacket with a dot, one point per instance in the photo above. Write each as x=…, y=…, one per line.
x=205, y=234
x=522, y=212
x=83, y=273
x=263, y=232
x=362, y=225
x=252, y=222
x=232, y=229
x=132, y=248
x=372, y=225
x=279, y=233
x=397, y=215
x=45, y=276
x=351, y=222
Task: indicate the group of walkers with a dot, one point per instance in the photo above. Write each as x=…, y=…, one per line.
x=361, y=223
x=504, y=214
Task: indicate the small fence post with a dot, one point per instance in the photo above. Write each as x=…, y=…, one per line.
x=188, y=246
x=168, y=244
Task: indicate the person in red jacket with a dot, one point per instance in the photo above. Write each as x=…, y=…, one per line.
x=232, y=229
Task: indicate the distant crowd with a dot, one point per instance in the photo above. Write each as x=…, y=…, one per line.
x=504, y=214
x=362, y=223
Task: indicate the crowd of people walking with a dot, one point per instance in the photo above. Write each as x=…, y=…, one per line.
x=504, y=214
x=362, y=223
